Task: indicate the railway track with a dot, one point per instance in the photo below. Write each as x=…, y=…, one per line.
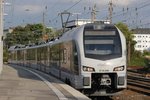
x=138, y=88
x=138, y=83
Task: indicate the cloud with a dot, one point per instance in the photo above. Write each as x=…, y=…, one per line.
x=31, y=10
x=34, y=9
x=115, y=2
x=122, y=2
x=70, y=0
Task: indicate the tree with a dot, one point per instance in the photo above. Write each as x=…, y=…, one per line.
x=129, y=39
x=31, y=33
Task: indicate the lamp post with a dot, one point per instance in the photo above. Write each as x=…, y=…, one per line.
x=1, y=35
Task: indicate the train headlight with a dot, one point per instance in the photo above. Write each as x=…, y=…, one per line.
x=120, y=68
x=88, y=69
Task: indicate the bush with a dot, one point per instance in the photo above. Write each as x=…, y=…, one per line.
x=138, y=59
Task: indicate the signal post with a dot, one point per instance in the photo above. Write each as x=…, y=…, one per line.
x=1, y=35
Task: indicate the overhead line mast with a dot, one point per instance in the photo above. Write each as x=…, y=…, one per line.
x=1, y=35
x=43, y=21
x=110, y=10
x=93, y=14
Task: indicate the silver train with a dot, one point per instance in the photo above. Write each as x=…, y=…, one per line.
x=91, y=58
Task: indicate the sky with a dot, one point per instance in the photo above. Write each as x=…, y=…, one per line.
x=135, y=13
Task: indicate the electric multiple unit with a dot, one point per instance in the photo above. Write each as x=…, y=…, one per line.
x=91, y=58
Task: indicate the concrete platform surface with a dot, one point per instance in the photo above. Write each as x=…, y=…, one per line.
x=18, y=83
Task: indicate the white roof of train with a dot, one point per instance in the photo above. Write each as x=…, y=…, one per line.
x=56, y=40
x=67, y=34
x=79, y=22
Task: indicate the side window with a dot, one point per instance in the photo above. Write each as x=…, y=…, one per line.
x=44, y=53
x=31, y=54
x=38, y=54
x=19, y=55
x=55, y=56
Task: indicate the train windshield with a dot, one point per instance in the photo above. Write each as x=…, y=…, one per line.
x=102, y=44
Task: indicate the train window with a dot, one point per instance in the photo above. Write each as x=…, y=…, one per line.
x=100, y=33
x=44, y=53
x=102, y=44
x=44, y=56
x=20, y=55
x=13, y=55
x=55, y=56
x=31, y=54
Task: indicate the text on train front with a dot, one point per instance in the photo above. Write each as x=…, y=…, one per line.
x=102, y=44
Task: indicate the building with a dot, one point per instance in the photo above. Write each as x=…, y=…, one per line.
x=142, y=37
x=10, y=30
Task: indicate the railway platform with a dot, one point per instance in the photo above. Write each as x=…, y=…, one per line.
x=18, y=83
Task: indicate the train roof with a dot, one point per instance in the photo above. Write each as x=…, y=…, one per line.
x=62, y=37
x=41, y=43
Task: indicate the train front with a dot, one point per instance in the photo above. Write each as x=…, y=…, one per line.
x=103, y=59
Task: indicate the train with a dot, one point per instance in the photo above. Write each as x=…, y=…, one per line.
x=91, y=58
